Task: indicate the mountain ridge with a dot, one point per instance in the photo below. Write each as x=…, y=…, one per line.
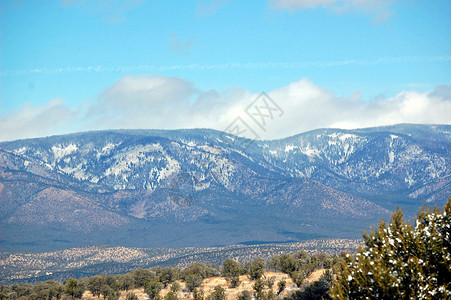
x=318, y=184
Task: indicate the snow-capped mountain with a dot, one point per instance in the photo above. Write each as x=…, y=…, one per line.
x=205, y=187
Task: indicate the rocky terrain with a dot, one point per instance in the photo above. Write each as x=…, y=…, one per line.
x=154, y=188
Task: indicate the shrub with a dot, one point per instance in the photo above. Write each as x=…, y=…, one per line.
x=287, y=264
x=315, y=291
x=193, y=281
x=168, y=275
x=298, y=277
x=281, y=285
x=231, y=270
x=270, y=282
x=257, y=268
x=171, y=296
x=153, y=288
x=258, y=288
x=198, y=294
x=201, y=269
x=218, y=294
x=140, y=276
x=175, y=287
x=245, y=295
x=131, y=296
x=73, y=288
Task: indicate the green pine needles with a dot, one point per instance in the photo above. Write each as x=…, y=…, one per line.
x=400, y=261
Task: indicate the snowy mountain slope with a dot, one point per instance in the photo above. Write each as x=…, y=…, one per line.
x=326, y=182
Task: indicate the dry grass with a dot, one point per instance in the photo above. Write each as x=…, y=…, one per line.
x=139, y=292
x=209, y=284
x=315, y=275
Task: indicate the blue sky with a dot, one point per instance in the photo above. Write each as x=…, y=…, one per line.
x=79, y=65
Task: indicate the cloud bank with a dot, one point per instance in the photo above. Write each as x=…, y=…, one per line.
x=162, y=102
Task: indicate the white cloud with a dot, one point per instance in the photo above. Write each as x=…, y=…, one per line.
x=171, y=103
x=308, y=107
x=162, y=102
x=32, y=121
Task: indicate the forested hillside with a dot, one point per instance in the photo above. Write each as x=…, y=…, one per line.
x=208, y=188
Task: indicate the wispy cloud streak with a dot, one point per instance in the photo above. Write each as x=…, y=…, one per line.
x=225, y=66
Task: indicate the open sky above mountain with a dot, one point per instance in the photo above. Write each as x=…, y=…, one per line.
x=75, y=65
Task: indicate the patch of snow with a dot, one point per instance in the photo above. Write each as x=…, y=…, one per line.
x=106, y=149
x=172, y=167
x=20, y=151
x=135, y=156
x=332, y=142
x=76, y=172
x=202, y=186
x=346, y=136
x=311, y=152
x=243, y=154
x=391, y=157
x=210, y=149
x=289, y=148
x=60, y=151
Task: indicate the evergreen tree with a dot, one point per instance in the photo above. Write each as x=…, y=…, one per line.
x=95, y=285
x=400, y=261
x=73, y=288
x=257, y=268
